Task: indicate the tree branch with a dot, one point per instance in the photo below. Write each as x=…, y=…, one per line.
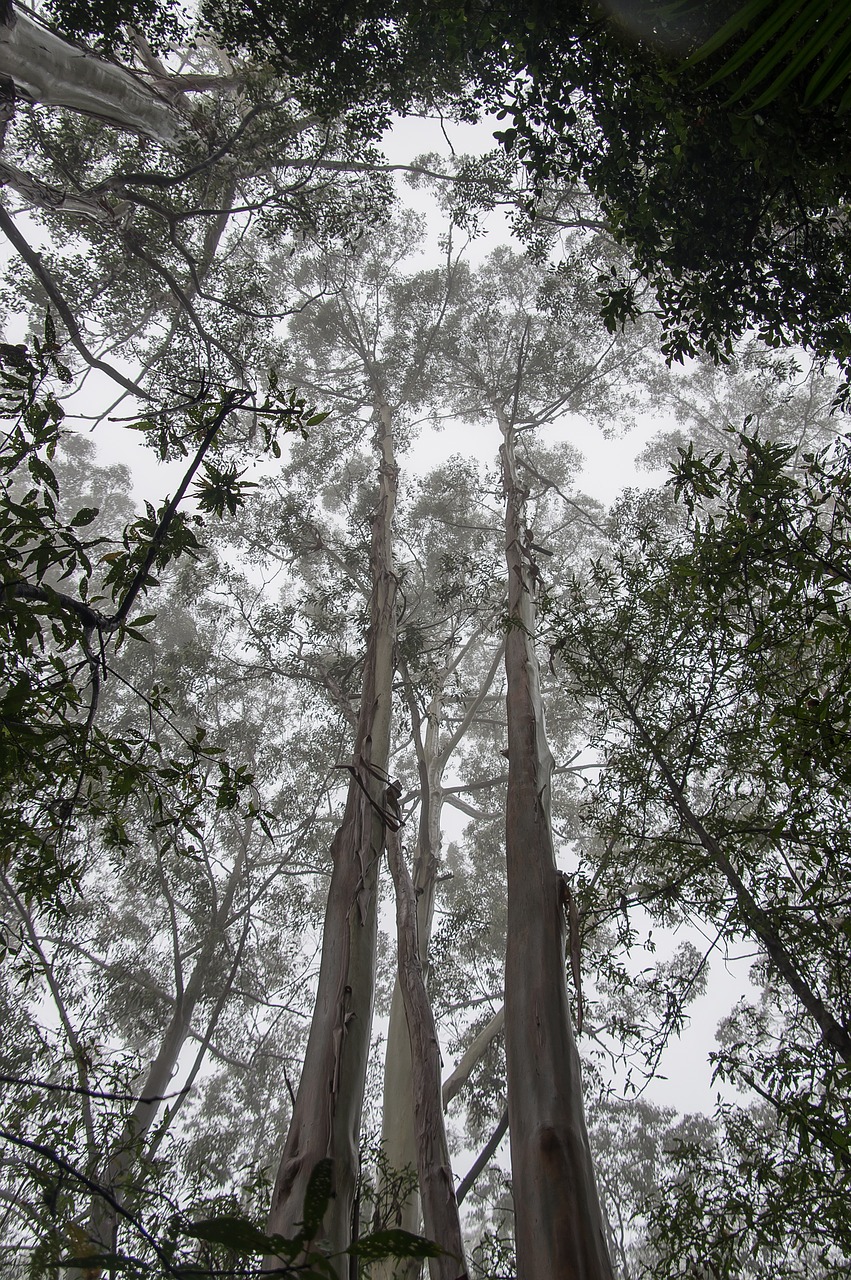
x=483, y=1157
x=35, y=264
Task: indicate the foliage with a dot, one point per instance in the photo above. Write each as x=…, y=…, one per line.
x=715, y=650
x=746, y=1201
x=69, y=601
x=232, y=1245
x=782, y=43
x=733, y=218
x=727, y=631
x=109, y=25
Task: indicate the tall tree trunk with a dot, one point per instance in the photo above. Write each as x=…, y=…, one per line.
x=397, y=1127
x=437, y=1188
x=47, y=69
x=326, y=1116
x=560, y=1233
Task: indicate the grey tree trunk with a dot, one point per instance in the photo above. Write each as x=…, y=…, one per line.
x=397, y=1128
x=326, y=1116
x=437, y=1187
x=560, y=1232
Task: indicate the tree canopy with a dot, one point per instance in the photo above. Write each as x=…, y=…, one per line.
x=732, y=213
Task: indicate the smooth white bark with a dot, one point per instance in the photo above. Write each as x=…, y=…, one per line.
x=47, y=69
x=560, y=1228
x=434, y=1169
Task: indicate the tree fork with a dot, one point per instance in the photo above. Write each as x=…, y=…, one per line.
x=47, y=69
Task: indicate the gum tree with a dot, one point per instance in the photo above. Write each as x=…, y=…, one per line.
x=508, y=362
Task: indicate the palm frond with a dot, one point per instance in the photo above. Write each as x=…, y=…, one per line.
x=780, y=44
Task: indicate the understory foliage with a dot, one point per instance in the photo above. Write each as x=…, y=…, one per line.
x=714, y=644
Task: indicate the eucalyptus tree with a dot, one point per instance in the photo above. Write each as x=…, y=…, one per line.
x=782, y=396
x=468, y=948
x=171, y=957
x=517, y=366
x=366, y=349
x=450, y=652
x=159, y=192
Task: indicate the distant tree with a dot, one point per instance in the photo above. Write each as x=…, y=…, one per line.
x=160, y=191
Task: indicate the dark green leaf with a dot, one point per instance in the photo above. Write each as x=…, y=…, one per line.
x=394, y=1243
x=83, y=517
x=238, y=1234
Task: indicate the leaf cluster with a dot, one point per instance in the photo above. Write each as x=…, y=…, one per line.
x=714, y=646
x=66, y=606
x=232, y=1245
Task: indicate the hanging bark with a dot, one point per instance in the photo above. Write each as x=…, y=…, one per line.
x=46, y=195
x=437, y=1187
x=560, y=1231
x=326, y=1116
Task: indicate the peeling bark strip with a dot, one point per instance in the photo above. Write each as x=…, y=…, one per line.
x=559, y=1227
x=437, y=1186
x=44, y=195
x=47, y=69
x=327, y=1112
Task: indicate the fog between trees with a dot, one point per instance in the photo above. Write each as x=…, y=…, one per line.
x=220, y=712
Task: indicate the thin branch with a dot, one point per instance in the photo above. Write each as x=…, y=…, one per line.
x=100, y=1095
x=96, y=1188
x=472, y=1056
x=452, y=742
x=34, y=262
x=483, y=1157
